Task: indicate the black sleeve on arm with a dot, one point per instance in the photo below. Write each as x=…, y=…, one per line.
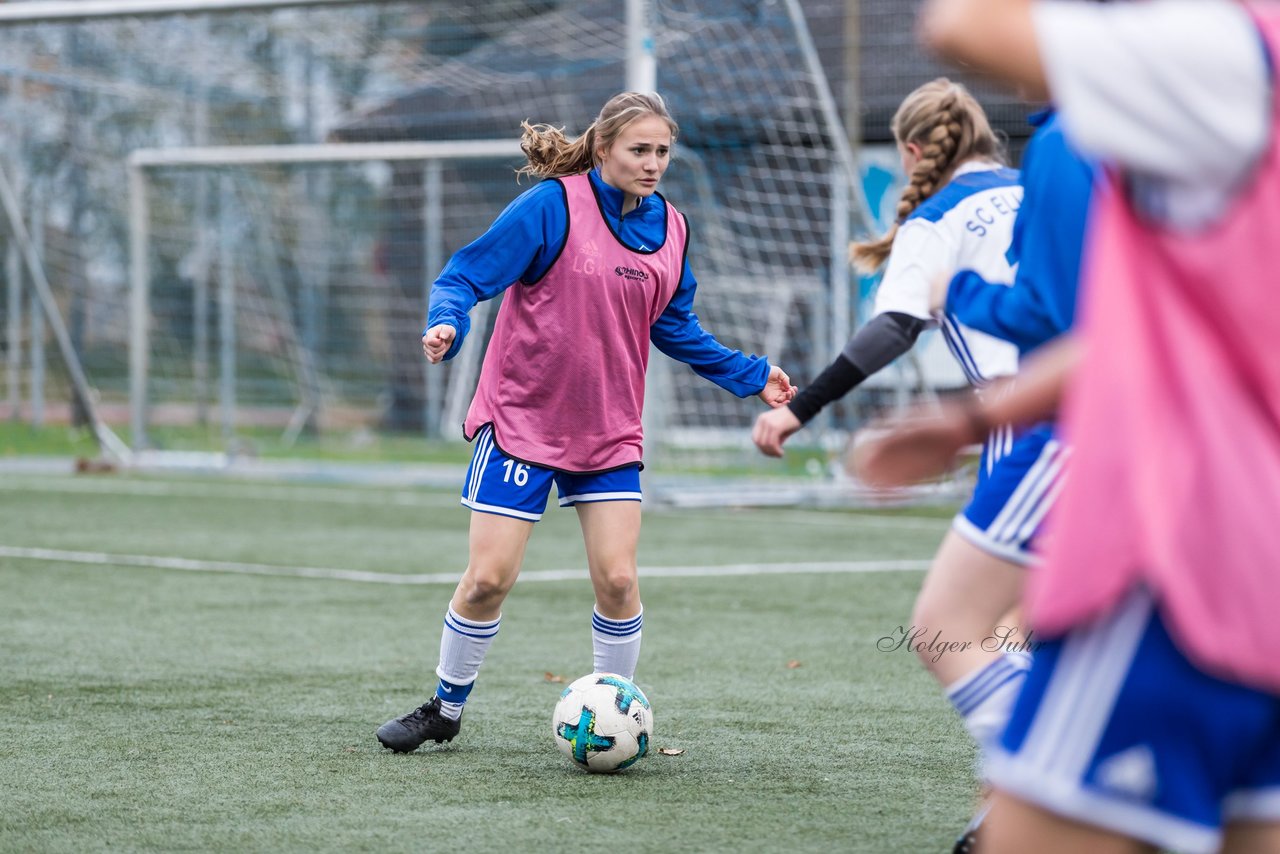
x=884, y=338
x=832, y=384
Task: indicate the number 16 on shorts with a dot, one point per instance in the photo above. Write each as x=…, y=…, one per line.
x=514, y=472
x=495, y=483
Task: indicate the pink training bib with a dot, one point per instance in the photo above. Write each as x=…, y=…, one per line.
x=563, y=375
x=1175, y=416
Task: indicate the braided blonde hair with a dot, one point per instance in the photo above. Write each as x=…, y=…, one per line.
x=550, y=154
x=950, y=127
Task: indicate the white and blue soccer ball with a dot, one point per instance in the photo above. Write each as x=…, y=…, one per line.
x=603, y=722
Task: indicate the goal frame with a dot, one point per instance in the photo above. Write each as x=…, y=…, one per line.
x=143, y=162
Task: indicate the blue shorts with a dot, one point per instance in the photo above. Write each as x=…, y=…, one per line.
x=1116, y=728
x=1018, y=481
x=497, y=484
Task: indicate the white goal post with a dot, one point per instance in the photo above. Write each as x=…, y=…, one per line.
x=40, y=11
x=143, y=162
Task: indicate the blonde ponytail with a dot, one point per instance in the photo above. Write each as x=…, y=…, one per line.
x=950, y=127
x=550, y=154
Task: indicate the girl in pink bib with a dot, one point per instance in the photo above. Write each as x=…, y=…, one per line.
x=593, y=268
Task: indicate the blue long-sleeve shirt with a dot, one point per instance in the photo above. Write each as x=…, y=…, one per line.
x=1048, y=236
x=526, y=239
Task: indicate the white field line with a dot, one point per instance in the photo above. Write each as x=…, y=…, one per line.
x=260, y=492
x=329, y=574
x=404, y=498
x=831, y=519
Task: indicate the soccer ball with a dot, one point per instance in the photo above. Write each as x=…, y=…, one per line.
x=603, y=722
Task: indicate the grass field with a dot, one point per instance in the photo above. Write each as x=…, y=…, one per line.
x=200, y=665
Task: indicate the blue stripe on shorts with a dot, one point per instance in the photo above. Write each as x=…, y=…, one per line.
x=1010, y=504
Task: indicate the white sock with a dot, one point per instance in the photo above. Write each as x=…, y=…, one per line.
x=985, y=697
x=616, y=643
x=462, y=649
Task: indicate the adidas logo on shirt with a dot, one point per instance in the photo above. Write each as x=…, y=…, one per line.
x=587, y=259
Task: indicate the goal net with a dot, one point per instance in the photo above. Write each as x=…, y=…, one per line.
x=244, y=210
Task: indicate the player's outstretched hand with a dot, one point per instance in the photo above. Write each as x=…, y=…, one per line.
x=772, y=429
x=778, y=390
x=437, y=341
x=911, y=449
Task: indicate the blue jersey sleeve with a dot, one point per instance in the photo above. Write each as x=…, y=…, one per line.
x=521, y=245
x=1048, y=240
x=1015, y=314
x=679, y=334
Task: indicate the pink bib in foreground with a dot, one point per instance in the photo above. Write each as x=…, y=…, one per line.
x=1175, y=417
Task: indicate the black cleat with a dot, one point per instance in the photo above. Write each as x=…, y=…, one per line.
x=406, y=733
x=967, y=843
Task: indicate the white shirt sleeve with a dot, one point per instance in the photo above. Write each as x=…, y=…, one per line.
x=921, y=253
x=1175, y=90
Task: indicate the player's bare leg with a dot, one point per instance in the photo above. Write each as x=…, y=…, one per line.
x=962, y=601
x=1252, y=837
x=1016, y=827
x=497, y=546
x=963, y=608
x=611, y=531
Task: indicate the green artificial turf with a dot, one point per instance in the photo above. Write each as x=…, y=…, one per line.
x=154, y=709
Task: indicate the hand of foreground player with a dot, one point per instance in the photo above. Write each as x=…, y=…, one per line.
x=916, y=447
x=772, y=429
x=778, y=390
x=923, y=445
x=437, y=341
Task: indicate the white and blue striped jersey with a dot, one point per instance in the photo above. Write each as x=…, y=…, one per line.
x=967, y=225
